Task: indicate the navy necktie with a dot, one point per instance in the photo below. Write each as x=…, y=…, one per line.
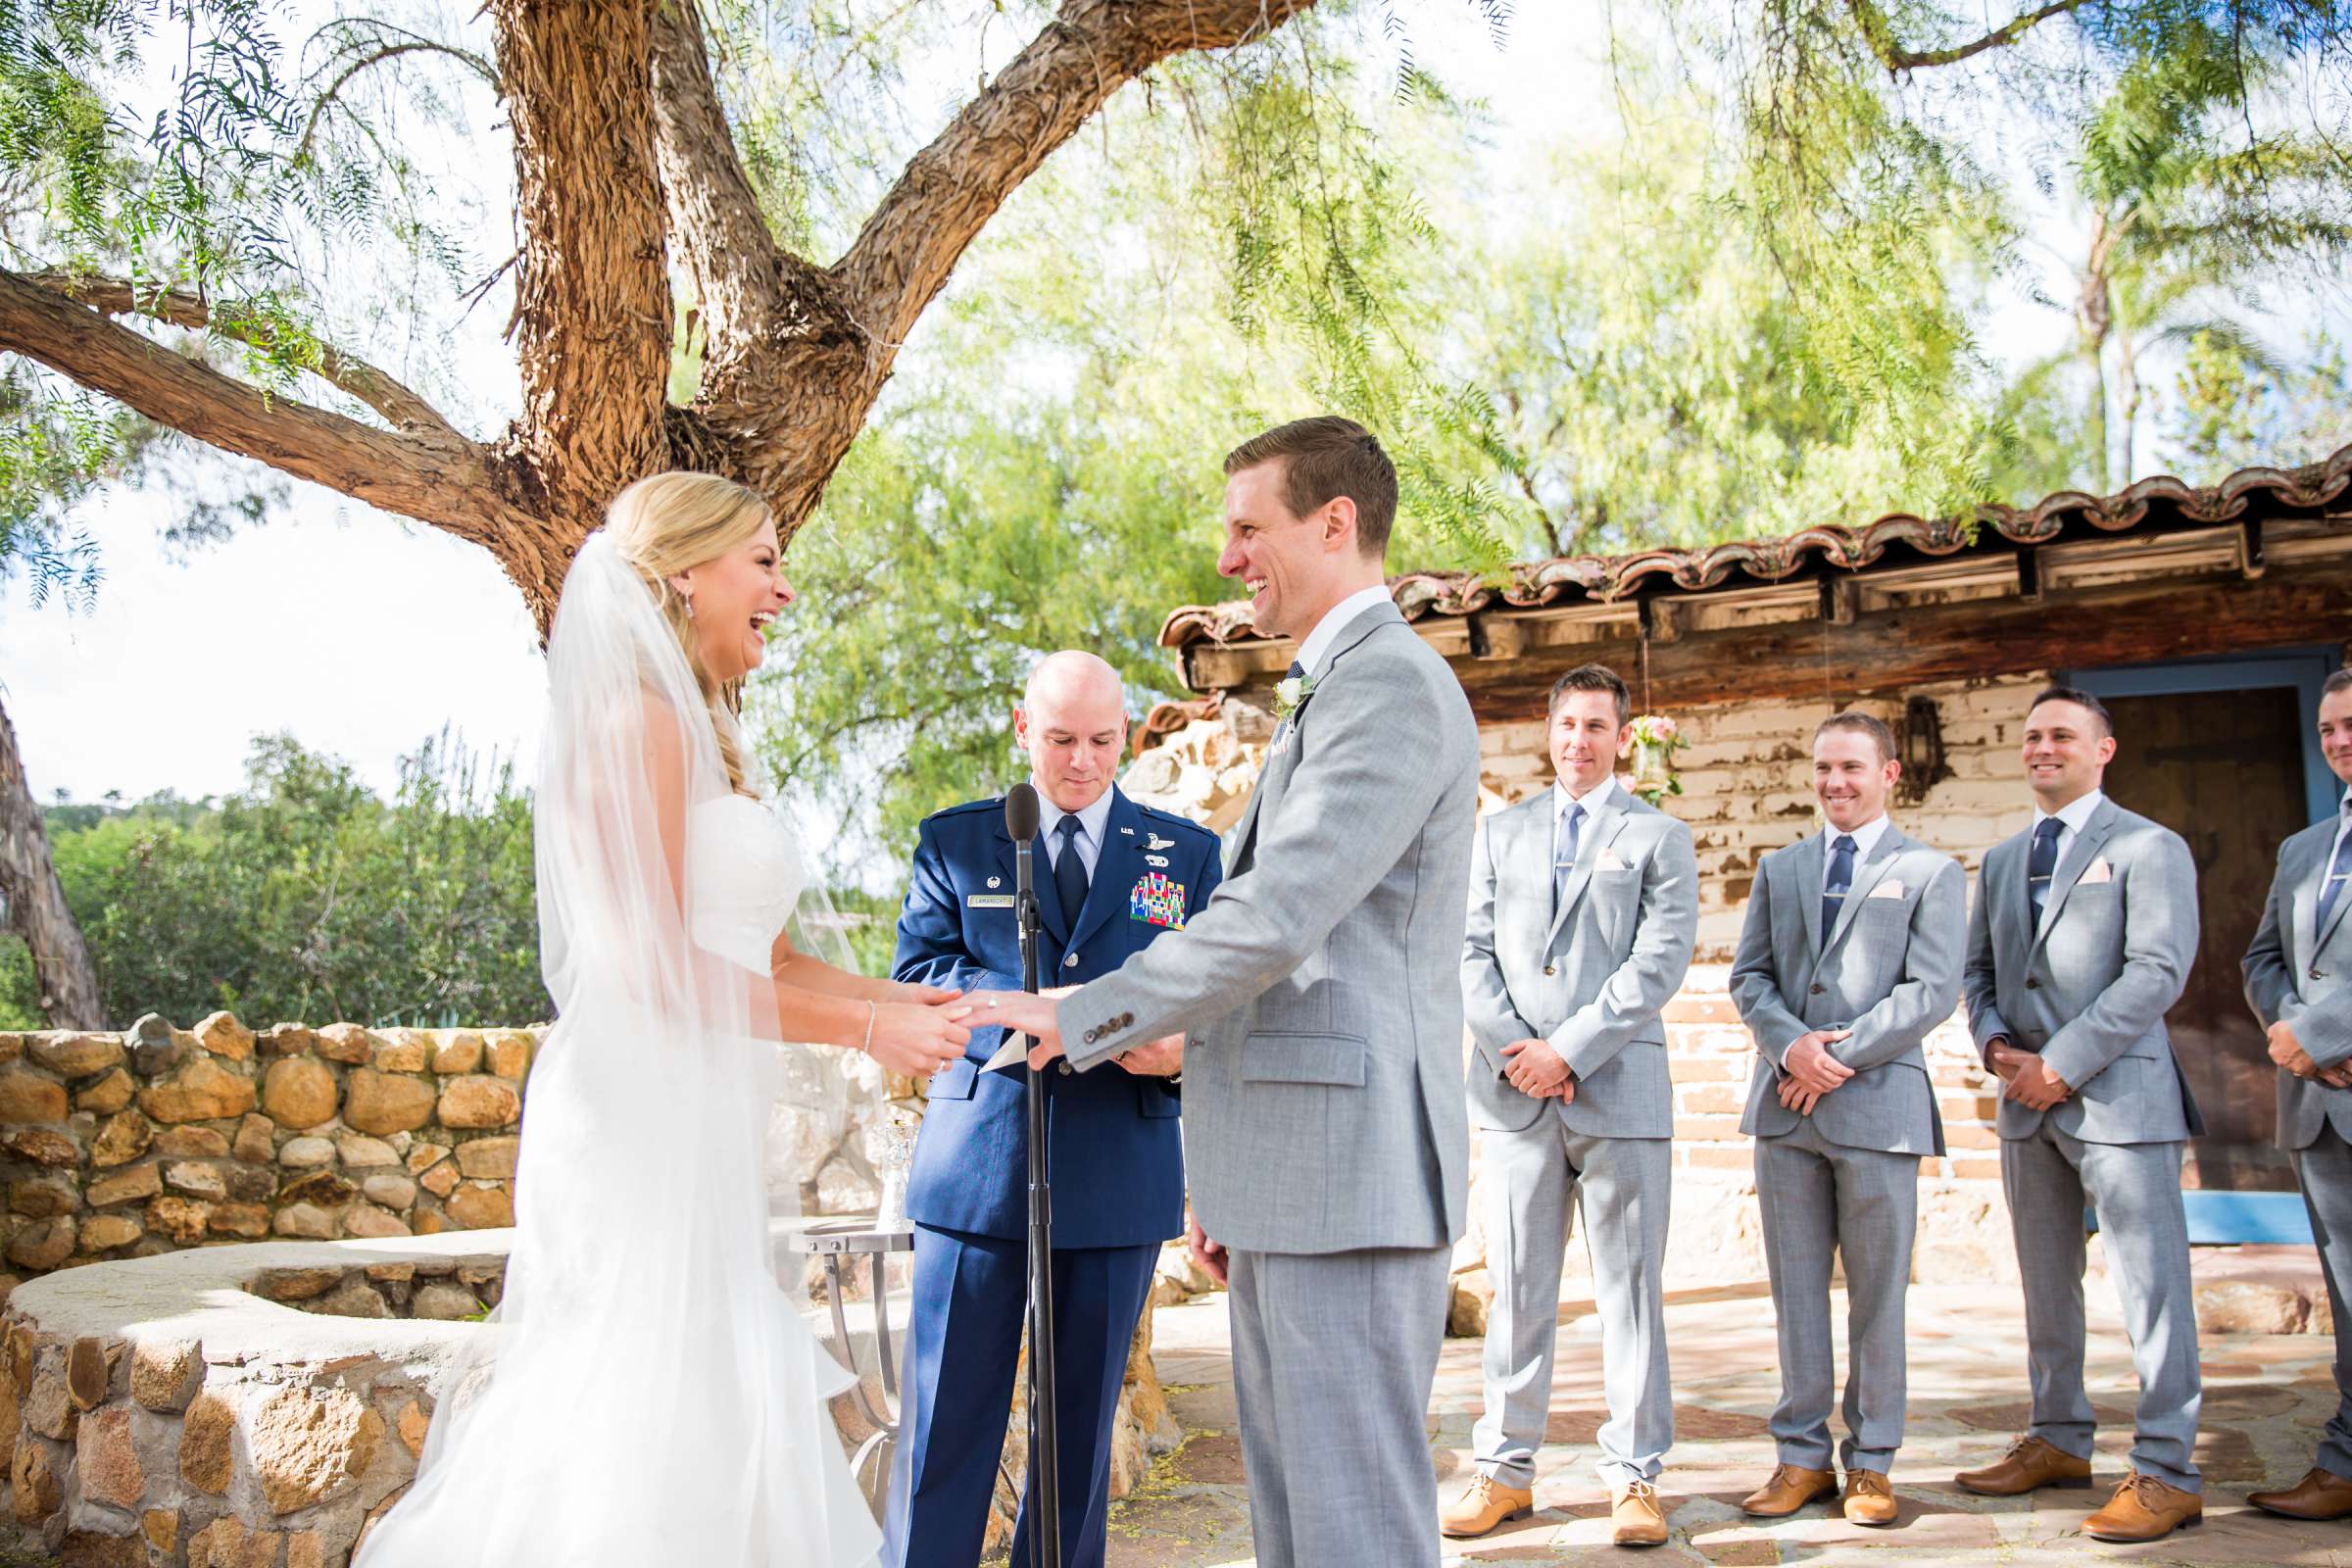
x=2332, y=883
x=2041, y=866
x=1839, y=880
x=1069, y=875
x=1563, y=858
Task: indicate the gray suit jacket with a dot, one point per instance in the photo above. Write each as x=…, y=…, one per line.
x=1322, y=1090
x=1889, y=970
x=2089, y=986
x=2298, y=972
x=1591, y=976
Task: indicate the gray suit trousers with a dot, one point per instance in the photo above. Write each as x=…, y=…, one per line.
x=2136, y=1188
x=1533, y=1180
x=2323, y=1170
x=1820, y=1199
x=1333, y=1359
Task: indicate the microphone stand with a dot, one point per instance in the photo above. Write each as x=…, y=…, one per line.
x=1044, y=1475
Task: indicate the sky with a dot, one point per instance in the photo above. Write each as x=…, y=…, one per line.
x=362, y=634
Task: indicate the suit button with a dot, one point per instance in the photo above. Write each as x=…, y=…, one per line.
x=2318, y=975
x=1551, y=969
x=1065, y=1069
x=1092, y=1035
x=1070, y=963
x=1821, y=990
x=2032, y=985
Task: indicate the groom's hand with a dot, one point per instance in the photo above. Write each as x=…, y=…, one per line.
x=1162, y=1059
x=1537, y=1068
x=1208, y=1254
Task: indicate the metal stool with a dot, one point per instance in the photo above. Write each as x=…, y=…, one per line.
x=839, y=1241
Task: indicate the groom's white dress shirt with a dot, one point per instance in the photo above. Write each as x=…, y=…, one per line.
x=1335, y=621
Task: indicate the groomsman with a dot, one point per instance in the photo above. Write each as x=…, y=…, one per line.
x=1112, y=876
x=2084, y=931
x=1583, y=905
x=2295, y=981
x=1852, y=952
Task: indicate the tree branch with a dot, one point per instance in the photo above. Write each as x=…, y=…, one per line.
x=1880, y=34
x=760, y=306
x=592, y=305
x=432, y=474
x=183, y=307
x=902, y=258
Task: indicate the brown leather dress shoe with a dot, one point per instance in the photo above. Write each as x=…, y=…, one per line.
x=1483, y=1505
x=2321, y=1495
x=2029, y=1464
x=1869, y=1500
x=1635, y=1518
x=2144, y=1509
x=1790, y=1487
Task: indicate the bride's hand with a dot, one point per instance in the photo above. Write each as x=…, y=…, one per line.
x=917, y=1040
x=1019, y=1011
x=924, y=996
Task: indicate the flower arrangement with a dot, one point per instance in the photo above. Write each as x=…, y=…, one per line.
x=1656, y=738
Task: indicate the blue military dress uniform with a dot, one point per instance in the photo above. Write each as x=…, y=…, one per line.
x=1114, y=1155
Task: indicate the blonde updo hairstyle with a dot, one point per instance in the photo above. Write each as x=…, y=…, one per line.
x=663, y=526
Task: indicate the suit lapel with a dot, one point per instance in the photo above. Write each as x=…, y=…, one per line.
x=1275, y=772
x=1811, y=865
x=2343, y=900
x=1866, y=876
x=1117, y=869
x=1605, y=819
x=2078, y=857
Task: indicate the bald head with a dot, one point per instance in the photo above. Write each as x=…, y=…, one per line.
x=1072, y=722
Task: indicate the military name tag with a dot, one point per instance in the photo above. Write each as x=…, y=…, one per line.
x=988, y=901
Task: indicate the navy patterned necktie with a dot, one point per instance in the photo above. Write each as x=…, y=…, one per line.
x=1838, y=882
x=1563, y=860
x=1069, y=875
x=2339, y=870
x=2041, y=866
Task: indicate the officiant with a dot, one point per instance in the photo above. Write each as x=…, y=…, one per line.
x=1111, y=876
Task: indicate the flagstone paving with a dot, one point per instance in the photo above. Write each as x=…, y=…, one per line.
x=2265, y=1400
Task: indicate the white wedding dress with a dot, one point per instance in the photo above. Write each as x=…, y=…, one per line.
x=647, y=1394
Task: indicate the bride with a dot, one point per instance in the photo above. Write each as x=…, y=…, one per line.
x=648, y=1394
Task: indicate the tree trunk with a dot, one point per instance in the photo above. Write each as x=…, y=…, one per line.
x=625, y=166
x=35, y=903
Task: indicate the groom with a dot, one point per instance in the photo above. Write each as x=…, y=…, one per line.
x=1325, y=1132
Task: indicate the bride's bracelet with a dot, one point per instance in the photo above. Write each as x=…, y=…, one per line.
x=868, y=1047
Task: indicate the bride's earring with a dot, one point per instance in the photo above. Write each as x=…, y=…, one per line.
x=689, y=598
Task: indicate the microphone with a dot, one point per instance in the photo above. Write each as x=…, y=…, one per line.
x=1020, y=814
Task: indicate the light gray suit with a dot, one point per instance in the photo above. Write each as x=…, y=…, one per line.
x=2297, y=969
x=1845, y=1178
x=2087, y=987
x=1590, y=976
x=1324, y=1129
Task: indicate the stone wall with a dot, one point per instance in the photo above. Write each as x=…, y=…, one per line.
x=127, y=1145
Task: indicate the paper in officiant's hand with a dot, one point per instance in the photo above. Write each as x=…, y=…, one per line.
x=1014, y=1053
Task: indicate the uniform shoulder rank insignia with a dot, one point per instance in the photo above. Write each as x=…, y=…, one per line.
x=1157, y=901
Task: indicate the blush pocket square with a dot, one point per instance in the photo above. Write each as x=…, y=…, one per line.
x=1612, y=860
x=2096, y=872
x=1887, y=890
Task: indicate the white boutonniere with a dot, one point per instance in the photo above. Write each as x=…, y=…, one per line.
x=1289, y=695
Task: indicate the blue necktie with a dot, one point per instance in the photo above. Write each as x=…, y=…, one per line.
x=1069, y=875
x=1841, y=879
x=2339, y=869
x=1563, y=858
x=2041, y=866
